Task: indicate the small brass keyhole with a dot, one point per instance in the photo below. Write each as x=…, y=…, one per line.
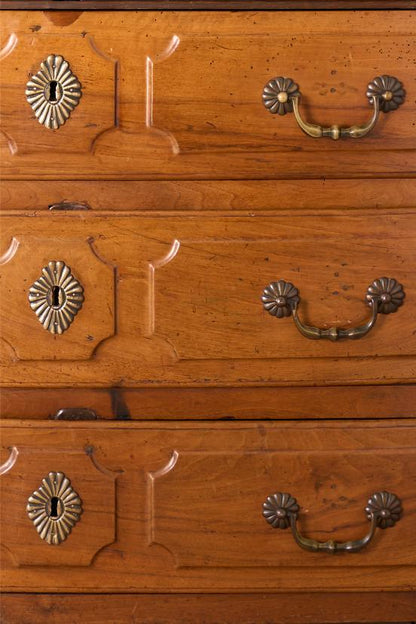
x=54, y=508
x=53, y=91
x=56, y=297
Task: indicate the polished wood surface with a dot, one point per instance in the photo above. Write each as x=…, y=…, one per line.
x=210, y=123
x=382, y=401
x=98, y=278
x=186, y=306
x=237, y=195
x=189, y=505
x=98, y=502
x=183, y=199
x=292, y=608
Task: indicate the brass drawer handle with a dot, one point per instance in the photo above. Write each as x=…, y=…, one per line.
x=385, y=93
x=383, y=510
x=384, y=295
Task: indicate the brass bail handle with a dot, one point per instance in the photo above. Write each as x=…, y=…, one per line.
x=384, y=296
x=385, y=93
x=383, y=510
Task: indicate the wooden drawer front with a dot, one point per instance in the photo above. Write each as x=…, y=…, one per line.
x=186, y=307
x=180, y=94
x=189, y=505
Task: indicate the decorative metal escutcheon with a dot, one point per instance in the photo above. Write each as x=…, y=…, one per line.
x=56, y=297
x=383, y=510
x=385, y=295
x=54, y=508
x=384, y=93
x=53, y=92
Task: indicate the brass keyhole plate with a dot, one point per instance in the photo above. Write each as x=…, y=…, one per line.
x=53, y=92
x=56, y=297
x=54, y=508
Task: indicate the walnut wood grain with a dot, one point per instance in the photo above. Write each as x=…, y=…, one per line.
x=292, y=608
x=235, y=195
x=215, y=403
x=189, y=501
x=188, y=308
x=210, y=123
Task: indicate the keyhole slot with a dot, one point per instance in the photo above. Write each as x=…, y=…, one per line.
x=53, y=92
x=54, y=507
x=56, y=297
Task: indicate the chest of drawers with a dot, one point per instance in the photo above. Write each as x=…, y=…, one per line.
x=208, y=312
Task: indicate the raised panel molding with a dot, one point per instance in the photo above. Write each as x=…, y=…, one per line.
x=210, y=110
x=22, y=474
x=21, y=266
x=154, y=265
x=150, y=69
x=205, y=292
x=96, y=113
x=206, y=506
x=152, y=479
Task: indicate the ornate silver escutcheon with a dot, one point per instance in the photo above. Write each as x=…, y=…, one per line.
x=56, y=297
x=54, y=508
x=53, y=92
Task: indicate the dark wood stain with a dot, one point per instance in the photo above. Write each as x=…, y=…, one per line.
x=119, y=407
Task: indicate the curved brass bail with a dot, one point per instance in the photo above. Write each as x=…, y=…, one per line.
x=336, y=333
x=384, y=295
x=383, y=510
x=385, y=93
x=336, y=132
